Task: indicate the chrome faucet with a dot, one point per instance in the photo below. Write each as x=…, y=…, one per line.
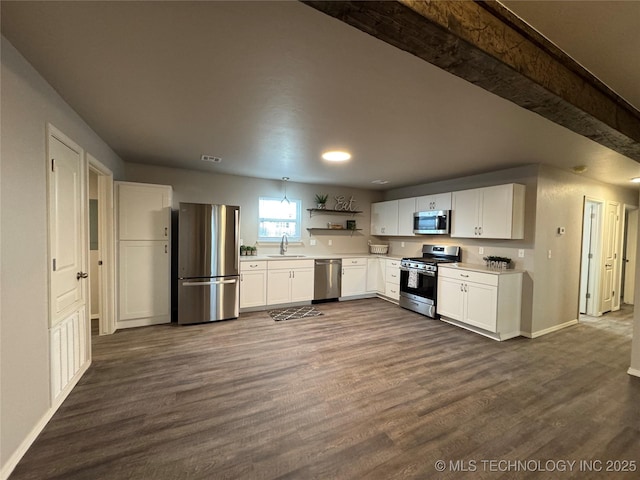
x=284, y=244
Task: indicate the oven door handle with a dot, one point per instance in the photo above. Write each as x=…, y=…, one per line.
x=428, y=273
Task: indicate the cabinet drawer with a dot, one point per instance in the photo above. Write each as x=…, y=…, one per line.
x=352, y=262
x=469, y=276
x=392, y=275
x=253, y=266
x=392, y=290
x=289, y=264
x=392, y=263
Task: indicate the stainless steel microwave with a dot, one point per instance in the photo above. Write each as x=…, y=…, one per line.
x=431, y=222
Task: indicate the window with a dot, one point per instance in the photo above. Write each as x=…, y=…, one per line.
x=278, y=218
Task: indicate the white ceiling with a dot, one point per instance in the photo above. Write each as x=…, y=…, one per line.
x=268, y=86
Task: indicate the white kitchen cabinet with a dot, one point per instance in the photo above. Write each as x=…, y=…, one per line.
x=491, y=212
x=253, y=284
x=393, y=217
x=384, y=218
x=375, y=275
x=485, y=302
x=354, y=276
x=406, y=209
x=144, y=253
x=439, y=201
x=392, y=279
x=144, y=288
x=289, y=281
x=144, y=211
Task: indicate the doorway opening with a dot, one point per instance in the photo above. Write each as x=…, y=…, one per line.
x=630, y=236
x=101, y=248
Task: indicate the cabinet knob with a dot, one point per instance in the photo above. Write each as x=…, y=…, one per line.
x=166, y=231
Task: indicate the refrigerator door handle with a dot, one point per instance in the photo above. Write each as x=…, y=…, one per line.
x=214, y=282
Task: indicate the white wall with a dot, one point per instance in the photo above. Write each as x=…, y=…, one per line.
x=560, y=204
x=27, y=104
x=201, y=187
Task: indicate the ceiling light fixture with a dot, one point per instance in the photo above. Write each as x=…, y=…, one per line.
x=635, y=180
x=579, y=169
x=336, y=156
x=284, y=183
x=380, y=182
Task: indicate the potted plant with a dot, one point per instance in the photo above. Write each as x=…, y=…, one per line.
x=243, y=250
x=321, y=201
x=253, y=251
x=493, y=261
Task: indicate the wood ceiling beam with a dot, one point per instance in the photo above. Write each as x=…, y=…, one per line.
x=485, y=44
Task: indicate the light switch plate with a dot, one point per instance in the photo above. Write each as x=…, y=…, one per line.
x=313, y=242
x=521, y=253
x=330, y=242
x=480, y=250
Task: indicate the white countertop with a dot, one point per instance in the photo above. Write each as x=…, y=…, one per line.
x=481, y=268
x=275, y=257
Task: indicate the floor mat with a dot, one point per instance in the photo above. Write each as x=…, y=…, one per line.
x=294, y=312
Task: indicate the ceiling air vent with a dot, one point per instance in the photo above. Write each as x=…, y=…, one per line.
x=210, y=158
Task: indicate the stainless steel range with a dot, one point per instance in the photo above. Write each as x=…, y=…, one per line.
x=419, y=278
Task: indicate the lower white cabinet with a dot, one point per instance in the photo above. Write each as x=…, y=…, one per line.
x=253, y=284
x=143, y=283
x=375, y=275
x=354, y=276
x=392, y=279
x=486, y=302
x=289, y=281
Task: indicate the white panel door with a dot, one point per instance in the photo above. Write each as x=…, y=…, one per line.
x=630, y=260
x=450, y=298
x=67, y=227
x=144, y=277
x=481, y=308
x=302, y=284
x=609, y=255
x=406, y=209
x=495, y=215
x=464, y=222
x=253, y=289
x=144, y=211
x=278, y=286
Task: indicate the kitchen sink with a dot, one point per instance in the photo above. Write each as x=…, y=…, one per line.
x=286, y=256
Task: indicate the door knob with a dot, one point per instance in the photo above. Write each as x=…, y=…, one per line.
x=81, y=275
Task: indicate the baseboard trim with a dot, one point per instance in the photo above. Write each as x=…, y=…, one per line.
x=555, y=328
x=634, y=371
x=15, y=458
x=143, y=322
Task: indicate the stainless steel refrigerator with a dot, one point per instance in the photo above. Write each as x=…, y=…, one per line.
x=208, y=263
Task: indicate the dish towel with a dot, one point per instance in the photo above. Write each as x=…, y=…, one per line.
x=413, y=279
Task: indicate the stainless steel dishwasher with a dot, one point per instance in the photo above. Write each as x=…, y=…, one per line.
x=327, y=284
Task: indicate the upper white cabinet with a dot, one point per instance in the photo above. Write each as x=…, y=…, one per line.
x=384, y=218
x=393, y=217
x=144, y=253
x=491, y=212
x=439, y=201
x=144, y=211
x=406, y=209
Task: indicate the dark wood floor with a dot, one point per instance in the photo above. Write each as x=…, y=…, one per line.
x=366, y=391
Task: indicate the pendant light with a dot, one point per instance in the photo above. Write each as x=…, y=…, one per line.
x=284, y=183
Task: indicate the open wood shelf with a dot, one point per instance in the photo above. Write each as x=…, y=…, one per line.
x=327, y=210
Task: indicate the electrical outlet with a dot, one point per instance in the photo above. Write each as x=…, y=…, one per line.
x=313, y=242
x=402, y=244
x=241, y=242
x=330, y=242
x=521, y=253
x=480, y=250
x=549, y=254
